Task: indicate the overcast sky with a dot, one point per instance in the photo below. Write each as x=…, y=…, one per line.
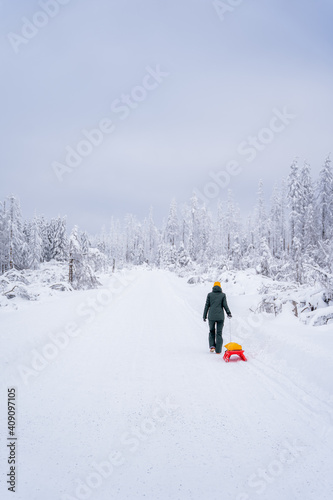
x=178, y=88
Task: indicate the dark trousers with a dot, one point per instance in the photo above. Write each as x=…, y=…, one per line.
x=215, y=337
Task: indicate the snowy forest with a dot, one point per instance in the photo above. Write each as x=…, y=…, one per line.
x=290, y=239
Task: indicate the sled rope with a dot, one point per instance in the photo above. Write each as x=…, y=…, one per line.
x=229, y=330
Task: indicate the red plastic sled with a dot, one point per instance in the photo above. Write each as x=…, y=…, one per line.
x=239, y=353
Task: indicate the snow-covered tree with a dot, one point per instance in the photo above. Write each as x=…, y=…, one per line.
x=4, y=238
x=307, y=216
x=183, y=258
x=194, y=228
x=17, y=241
x=285, y=240
x=325, y=200
x=81, y=275
x=295, y=204
x=61, y=247
x=277, y=223
x=261, y=217
x=172, y=226
x=35, y=245
x=265, y=258
x=151, y=239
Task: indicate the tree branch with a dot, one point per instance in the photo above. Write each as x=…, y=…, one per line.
x=9, y=290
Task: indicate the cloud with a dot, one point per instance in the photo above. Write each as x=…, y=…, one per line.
x=225, y=79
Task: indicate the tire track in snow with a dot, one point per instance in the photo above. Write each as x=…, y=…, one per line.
x=282, y=385
x=310, y=402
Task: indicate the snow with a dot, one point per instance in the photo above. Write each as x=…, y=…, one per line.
x=29, y=284
x=130, y=404
x=320, y=317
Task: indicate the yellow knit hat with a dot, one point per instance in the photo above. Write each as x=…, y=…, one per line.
x=217, y=283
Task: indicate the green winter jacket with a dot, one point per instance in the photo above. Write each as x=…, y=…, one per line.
x=216, y=303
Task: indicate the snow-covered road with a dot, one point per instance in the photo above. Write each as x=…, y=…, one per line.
x=128, y=404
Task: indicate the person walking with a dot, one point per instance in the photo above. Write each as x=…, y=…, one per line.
x=216, y=304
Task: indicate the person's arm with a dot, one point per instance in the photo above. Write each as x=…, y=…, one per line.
x=225, y=306
x=206, y=308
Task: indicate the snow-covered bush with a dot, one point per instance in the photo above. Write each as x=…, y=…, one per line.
x=81, y=274
x=97, y=260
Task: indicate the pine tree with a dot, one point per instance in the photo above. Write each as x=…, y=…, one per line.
x=194, y=229
x=139, y=246
x=81, y=275
x=61, y=247
x=172, y=226
x=260, y=215
x=152, y=239
x=275, y=221
x=85, y=244
x=55, y=240
x=130, y=238
x=16, y=236
x=207, y=243
x=295, y=204
x=308, y=222
x=232, y=224
x=283, y=232
x=265, y=257
x=35, y=245
x=325, y=200
x=183, y=258
x=4, y=238
x=219, y=237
